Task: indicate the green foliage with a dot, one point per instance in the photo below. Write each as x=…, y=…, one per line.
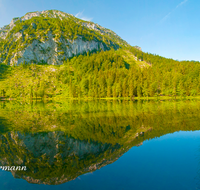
x=126, y=72
x=104, y=74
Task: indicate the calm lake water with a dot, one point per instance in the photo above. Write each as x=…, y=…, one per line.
x=111, y=145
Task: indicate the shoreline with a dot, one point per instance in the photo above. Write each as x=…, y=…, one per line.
x=158, y=98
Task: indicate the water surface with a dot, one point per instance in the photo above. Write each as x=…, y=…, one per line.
x=100, y=145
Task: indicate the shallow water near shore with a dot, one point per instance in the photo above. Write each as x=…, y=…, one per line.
x=100, y=145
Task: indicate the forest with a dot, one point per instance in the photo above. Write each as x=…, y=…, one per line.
x=123, y=73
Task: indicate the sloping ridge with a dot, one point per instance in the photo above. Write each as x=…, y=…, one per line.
x=51, y=37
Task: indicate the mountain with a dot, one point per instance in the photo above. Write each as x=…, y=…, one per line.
x=51, y=37
x=60, y=56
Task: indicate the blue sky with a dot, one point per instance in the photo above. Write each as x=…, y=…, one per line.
x=170, y=28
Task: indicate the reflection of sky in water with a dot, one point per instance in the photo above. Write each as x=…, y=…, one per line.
x=169, y=162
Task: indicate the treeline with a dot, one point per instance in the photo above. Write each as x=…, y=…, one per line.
x=105, y=74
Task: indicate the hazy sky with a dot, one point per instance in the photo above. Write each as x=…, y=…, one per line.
x=170, y=28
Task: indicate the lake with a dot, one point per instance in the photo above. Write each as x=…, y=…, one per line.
x=95, y=145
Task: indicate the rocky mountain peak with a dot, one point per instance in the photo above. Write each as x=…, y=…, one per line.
x=51, y=37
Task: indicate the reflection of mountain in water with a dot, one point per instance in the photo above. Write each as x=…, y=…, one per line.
x=53, y=157
x=58, y=146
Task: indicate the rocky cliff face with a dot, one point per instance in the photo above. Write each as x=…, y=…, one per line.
x=51, y=53
x=23, y=41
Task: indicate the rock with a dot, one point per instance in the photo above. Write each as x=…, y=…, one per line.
x=34, y=25
x=137, y=47
x=48, y=52
x=141, y=133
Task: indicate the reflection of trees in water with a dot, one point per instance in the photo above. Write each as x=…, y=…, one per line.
x=111, y=117
x=60, y=141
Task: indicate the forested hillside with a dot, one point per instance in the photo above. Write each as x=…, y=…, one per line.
x=51, y=54
x=127, y=72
